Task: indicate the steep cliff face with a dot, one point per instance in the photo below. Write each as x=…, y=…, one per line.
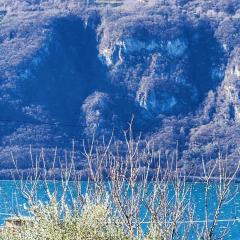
x=71, y=70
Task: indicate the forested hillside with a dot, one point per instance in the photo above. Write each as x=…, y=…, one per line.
x=71, y=69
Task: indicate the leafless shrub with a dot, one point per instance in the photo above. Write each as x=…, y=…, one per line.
x=135, y=201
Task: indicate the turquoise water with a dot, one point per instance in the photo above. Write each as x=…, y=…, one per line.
x=12, y=203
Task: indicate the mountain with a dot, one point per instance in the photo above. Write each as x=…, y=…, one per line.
x=71, y=69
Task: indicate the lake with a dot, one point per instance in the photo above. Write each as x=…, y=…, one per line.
x=12, y=202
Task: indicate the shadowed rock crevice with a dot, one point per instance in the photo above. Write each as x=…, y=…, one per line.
x=69, y=73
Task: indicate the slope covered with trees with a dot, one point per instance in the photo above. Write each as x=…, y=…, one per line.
x=71, y=69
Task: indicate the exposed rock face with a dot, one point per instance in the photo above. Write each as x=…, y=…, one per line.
x=153, y=101
x=229, y=98
x=97, y=114
x=70, y=70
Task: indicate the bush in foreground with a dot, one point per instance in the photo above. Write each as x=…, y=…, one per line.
x=93, y=222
